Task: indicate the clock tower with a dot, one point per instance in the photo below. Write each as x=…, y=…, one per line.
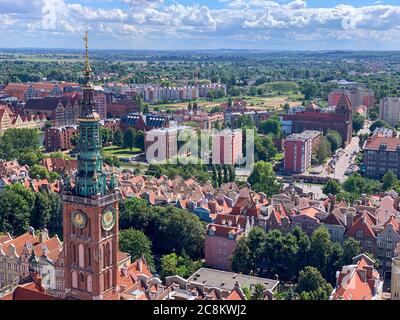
x=90, y=212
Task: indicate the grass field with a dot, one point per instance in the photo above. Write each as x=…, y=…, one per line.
x=120, y=152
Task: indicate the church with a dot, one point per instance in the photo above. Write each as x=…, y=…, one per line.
x=90, y=265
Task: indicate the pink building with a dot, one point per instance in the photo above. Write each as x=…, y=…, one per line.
x=221, y=239
x=298, y=150
x=227, y=147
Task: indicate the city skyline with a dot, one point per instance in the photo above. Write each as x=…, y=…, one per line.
x=202, y=24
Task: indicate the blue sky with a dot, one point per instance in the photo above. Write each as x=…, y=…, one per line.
x=202, y=24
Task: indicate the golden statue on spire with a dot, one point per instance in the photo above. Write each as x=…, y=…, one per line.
x=88, y=69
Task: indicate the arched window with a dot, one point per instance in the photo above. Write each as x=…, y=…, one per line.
x=82, y=283
x=105, y=281
x=89, y=283
x=74, y=253
x=108, y=254
x=81, y=256
x=89, y=257
x=102, y=282
x=109, y=278
x=74, y=279
x=104, y=256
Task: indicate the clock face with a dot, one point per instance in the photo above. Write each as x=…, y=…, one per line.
x=108, y=219
x=79, y=219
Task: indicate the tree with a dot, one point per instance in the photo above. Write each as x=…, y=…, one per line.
x=378, y=124
x=309, y=89
x=244, y=122
x=324, y=150
x=139, y=139
x=40, y=172
x=358, y=122
x=357, y=185
x=312, y=286
x=265, y=149
x=335, y=139
x=263, y=179
x=258, y=292
x=253, y=91
x=389, y=180
x=42, y=211
x=105, y=135
x=351, y=249
x=286, y=108
x=320, y=249
x=256, y=241
x=129, y=138
x=137, y=244
x=75, y=140
x=332, y=187
x=271, y=126
x=118, y=138
x=15, y=210
x=301, y=258
x=240, y=260
x=172, y=264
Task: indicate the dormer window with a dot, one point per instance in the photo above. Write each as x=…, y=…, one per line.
x=383, y=146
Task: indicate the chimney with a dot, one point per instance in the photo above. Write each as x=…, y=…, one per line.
x=349, y=220
x=44, y=235
x=333, y=200
x=140, y=265
x=31, y=231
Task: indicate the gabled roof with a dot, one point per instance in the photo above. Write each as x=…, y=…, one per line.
x=358, y=282
x=364, y=223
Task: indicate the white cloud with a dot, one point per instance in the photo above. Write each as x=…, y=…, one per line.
x=243, y=20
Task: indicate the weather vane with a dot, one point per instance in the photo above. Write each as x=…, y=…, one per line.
x=86, y=39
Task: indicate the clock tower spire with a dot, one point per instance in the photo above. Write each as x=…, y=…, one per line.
x=90, y=211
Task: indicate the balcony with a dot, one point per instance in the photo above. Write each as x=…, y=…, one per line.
x=96, y=201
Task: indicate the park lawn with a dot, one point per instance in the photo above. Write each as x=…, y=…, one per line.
x=120, y=152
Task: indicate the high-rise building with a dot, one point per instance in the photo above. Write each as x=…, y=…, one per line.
x=389, y=110
x=299, y=149
x=90, y=213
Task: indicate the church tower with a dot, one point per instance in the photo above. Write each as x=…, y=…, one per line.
x=90, y=211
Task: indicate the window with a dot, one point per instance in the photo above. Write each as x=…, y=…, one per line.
x=89, y=256
x=81, y=256
x=74, y=279
x=89, y=283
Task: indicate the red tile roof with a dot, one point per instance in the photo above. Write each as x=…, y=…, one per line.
x=376, y=142
x=357, y=282
x=364, y=223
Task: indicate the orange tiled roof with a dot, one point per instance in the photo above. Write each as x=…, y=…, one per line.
x=19, y=242
x=354, y=282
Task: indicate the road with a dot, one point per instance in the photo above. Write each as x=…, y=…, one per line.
x=346, y=158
